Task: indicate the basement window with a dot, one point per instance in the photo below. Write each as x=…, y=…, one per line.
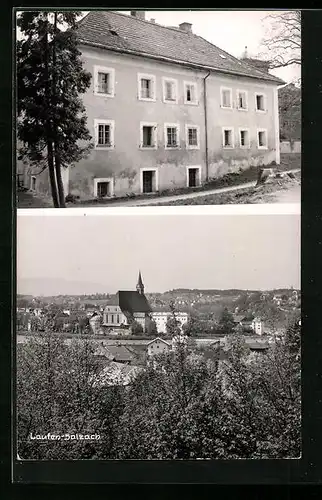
x=103, y=187
x=228, y=138
x=148, y=135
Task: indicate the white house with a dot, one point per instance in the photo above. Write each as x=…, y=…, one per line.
x=158, y=346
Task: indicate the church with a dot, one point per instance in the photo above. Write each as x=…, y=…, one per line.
x=127, y=306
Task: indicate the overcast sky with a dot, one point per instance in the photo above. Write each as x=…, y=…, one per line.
x=88, y=254
x=230, y=30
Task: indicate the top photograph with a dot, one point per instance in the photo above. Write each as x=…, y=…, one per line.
x=157, y=108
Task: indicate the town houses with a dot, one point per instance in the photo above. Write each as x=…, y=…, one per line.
x=166, y=109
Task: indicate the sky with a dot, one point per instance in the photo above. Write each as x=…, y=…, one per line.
x=103, y=253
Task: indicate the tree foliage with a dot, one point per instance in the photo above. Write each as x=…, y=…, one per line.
x=191, y=403
x=51, y=126
x=282, y=42
x=151, y=328
x=136, y=328
x=226, y=323
x=56, y=394
x=289, y=99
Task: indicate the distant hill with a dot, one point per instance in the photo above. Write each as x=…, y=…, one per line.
x=53, y=286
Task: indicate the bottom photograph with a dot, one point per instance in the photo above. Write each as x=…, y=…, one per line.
x=164, y=337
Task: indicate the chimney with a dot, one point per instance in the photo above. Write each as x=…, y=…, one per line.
x=245, y=54
x=139, y=14
x=187, y=27
x=152, y=21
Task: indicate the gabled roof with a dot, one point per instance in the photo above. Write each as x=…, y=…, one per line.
x=160, y=340
x=130, y=301
x=133, y=301
x=123, y=33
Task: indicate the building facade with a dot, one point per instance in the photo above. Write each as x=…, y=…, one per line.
x=161, y=318
x=158, y=346
x=166, y=109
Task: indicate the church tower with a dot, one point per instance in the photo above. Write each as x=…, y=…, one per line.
x=140, y=286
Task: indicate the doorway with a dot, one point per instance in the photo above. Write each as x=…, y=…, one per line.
x=149, y=181
x=193, y=177
x=103, y=189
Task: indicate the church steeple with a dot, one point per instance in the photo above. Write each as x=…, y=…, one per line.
x=140, y=286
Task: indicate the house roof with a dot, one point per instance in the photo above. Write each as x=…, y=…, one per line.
x=160, y=340
x=120, y=353
x=130, y=301
x=257, y=346
x=133, y=301
x=123, y=33
x=117, y=373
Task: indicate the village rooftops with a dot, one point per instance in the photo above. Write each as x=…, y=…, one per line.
x=130, y=35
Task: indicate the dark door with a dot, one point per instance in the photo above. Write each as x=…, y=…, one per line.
x=147, y=182
x=102, y=189
x=192, y=177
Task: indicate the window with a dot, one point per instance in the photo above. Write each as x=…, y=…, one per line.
x=260, y=102
x=112, y=318
x=170, y=90
x=190, y=93
x=228, y=138
x=149, y=181
x=242, y=100
x=33, y=183
x=171, y=135
x=262, y=139
x=117, y=318
x=146, y=85
x=103, y=188
x=192, y=137
x=226, y=97
x=104, y=134
x=244, y=138
x=104, y=81
x=148, y=135
x=193, y=177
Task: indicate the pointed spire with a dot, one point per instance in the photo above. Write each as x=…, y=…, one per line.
x=140, y=286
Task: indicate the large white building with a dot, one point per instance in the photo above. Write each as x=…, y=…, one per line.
x=161, y=319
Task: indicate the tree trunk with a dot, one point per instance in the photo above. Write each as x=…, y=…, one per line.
x=50, y=155
x=60, y=185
